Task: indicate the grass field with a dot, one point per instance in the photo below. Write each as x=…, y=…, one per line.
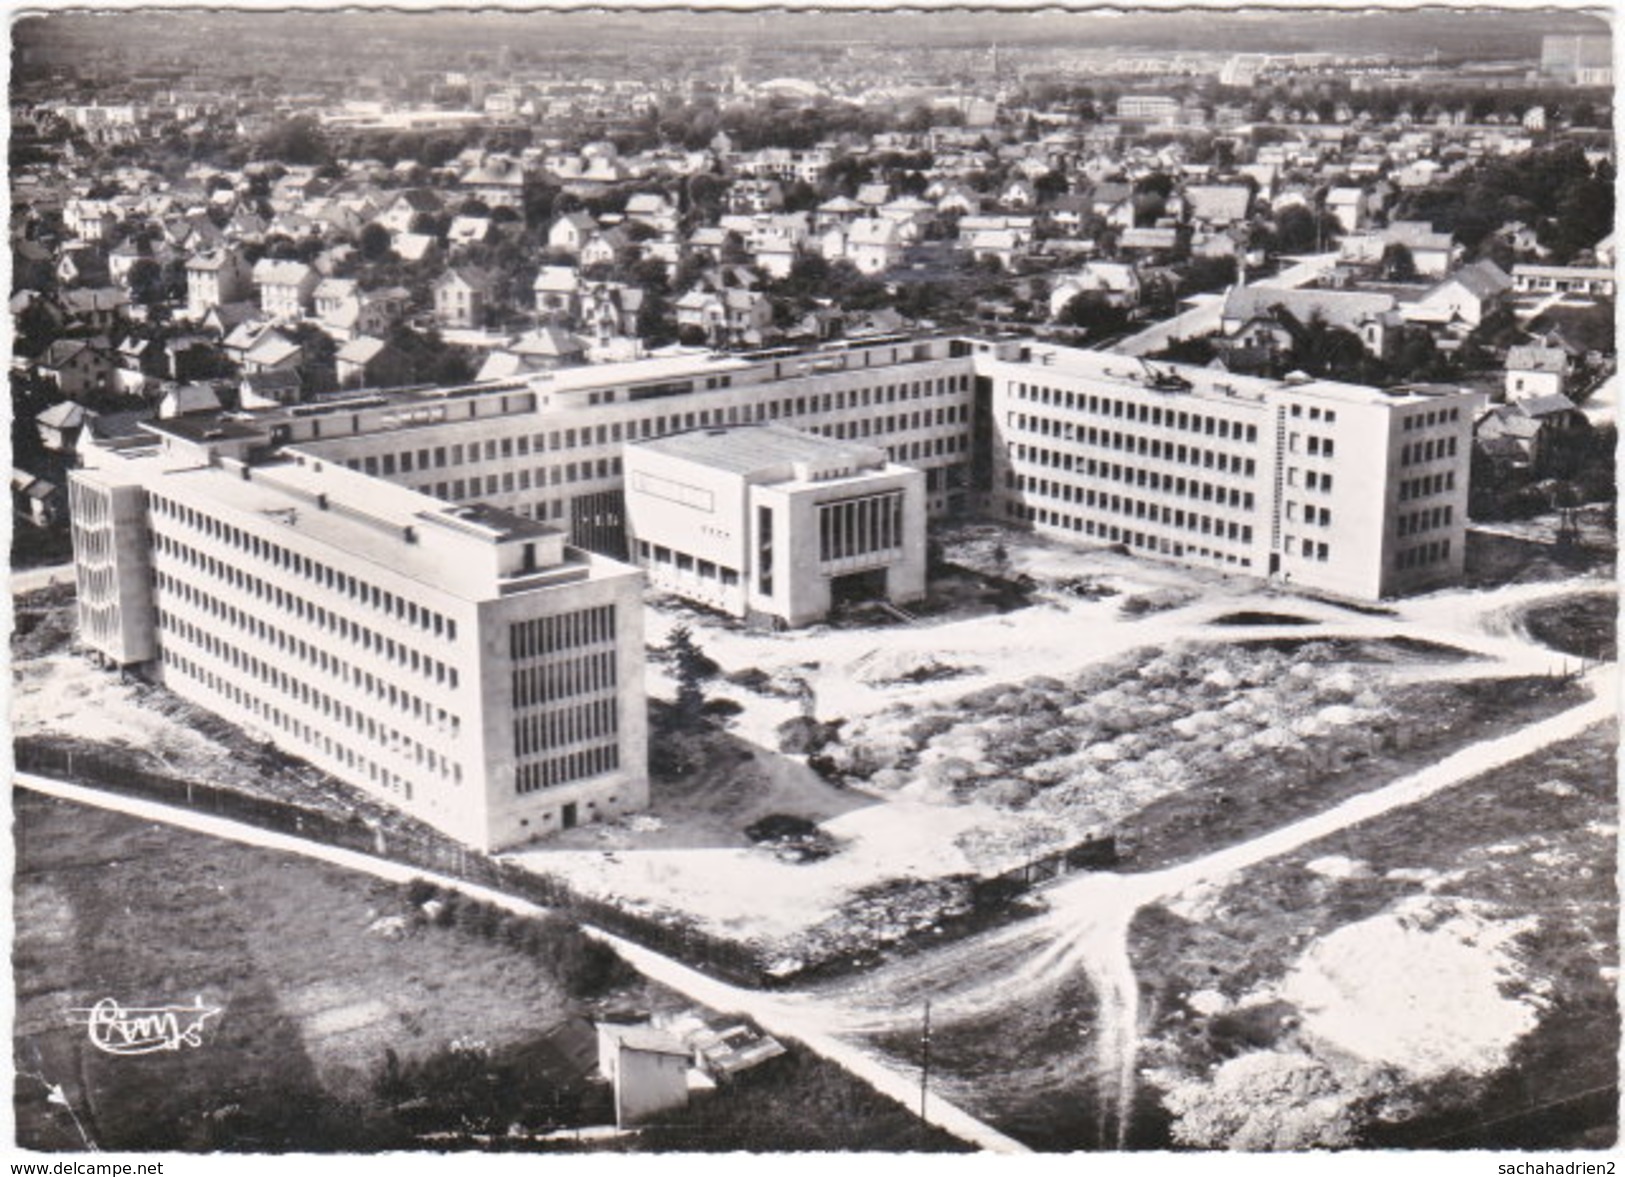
x=312, y=990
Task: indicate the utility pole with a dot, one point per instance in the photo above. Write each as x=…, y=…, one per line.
x=925, y=1065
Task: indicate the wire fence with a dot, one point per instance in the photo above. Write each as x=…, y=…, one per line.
x=742, y=962
x=729, y=959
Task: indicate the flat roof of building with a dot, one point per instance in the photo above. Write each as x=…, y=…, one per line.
x=1209, y=384
x=505, y=524
x=753, y=449
x=362, y=518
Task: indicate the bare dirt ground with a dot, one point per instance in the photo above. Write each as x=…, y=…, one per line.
x=1466, y=952
x=1067, y=971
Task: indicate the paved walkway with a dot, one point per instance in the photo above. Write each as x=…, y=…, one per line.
x=768, y=1011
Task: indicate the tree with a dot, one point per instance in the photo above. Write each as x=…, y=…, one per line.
x=1398, y=265
x=375, y=244
x=297, y=140
x=146, y=278
x=692, y=668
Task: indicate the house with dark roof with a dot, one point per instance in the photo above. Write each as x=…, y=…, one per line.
x=1468, y=296
x=1535, y=370
x=269, y=388
x=78, y=367
x=463, y=297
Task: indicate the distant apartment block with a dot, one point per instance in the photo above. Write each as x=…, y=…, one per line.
x=1583, y=60
x=1148, y=108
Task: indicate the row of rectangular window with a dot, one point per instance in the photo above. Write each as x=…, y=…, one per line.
x=1146, y=414
x=1313, y=515
x=705, y=569
x=299, y=691
x=1424, y=554
x=1427, y=451
x=1428, y=484
x=277, y=556
x=1431, y=417
x=560, y=727
x=561, y=770
x=547, y=682
x=329, y=664
x=309, y=612
x=1313, y=444
x=1311, y=549
x=1112, y=533
x=541, y=636
x=1139, y=508
x=1429, y=520
x=1152, y=480
x=1312, y=479
x=860, y=526
x=340, y=751
x=610, y=433
x=1150, y=447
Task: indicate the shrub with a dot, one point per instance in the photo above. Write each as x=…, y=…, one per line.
x=419, y=891
x=780, y=825
x=803, y=736
x=753, y=679
x=720, y=709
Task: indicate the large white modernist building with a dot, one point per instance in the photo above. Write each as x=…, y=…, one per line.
x=771, y=522
x=461, y=662
x=397, y=586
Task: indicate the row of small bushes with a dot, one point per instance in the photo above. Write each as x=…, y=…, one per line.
x=582, y=966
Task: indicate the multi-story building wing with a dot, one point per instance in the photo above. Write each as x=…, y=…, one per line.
x=549, y=446
x=461, y=662
x=1330, y=486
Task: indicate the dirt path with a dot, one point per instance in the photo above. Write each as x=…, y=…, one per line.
x=767, y=1010
x=1086, y=926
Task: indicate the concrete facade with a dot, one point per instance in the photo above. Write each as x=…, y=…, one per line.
x=460, y=662
x=1259, y=477
x=762, y=520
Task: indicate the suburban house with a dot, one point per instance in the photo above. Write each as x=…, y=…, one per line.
x=732, y=317
x=269, y=388
x=1468, y=296
x=558, y=292
x=498, y=182
x=219, y=276
x=181, y=400
x=272, y=351
x=462, y=297
x=78, y=367
x=1432, y=253
x=285, y=287
x=1217, y=206
x=369, y=362
x=570, y=232
x=1119, y=282
x=60, y=425
x=1582, y=280
x=874, y=245
x=1535, y=370
x=1524, y=430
